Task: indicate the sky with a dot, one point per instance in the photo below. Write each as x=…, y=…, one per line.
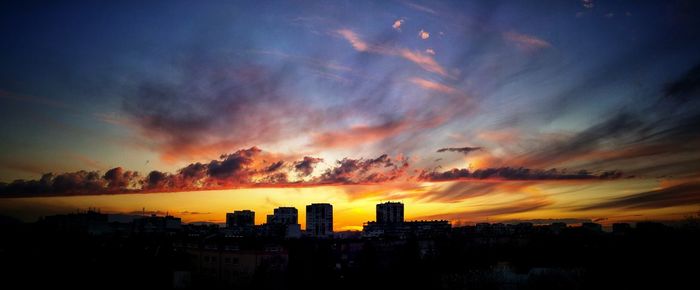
x=468, y=111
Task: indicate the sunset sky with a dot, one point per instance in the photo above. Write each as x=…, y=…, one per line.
x=468, y=111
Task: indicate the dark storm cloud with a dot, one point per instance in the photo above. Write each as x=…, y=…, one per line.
x=79, y=182
x=193, y=171
x=233, y=165
x=677, y=195
x=511, y=173
x=243, y=168
x=247, y=168
x=274, y=166
x=119, y=179
x=156, y=180
x=463, y=150
x=306, y=166
x=357, y=171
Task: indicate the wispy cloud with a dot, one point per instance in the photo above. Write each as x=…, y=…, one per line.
x=420, y=7
x=431, y=85
x=424, y=60
x=354, y=39
x=360, y=134
x=678, y=195
x=513, y=173
x=463, y=150
x=527, y=42
x=494, y=211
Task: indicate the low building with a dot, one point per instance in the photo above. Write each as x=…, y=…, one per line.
x=157, y=224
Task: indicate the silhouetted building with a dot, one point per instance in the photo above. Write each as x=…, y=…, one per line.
x=594, y=227
x=226, y=262
x=390, y=224
x=90, y=221
x=157, y=224
x=240, y=219
x=557, y=227
x=283, y=223
x=390, y=212
x=429, y=228
x=241, y=222
x=284, y=216
x=621, y=228
x=319, y=220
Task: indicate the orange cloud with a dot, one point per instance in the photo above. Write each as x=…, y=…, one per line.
x=496, y=210
x=423, y=34
x=359, y=134
x=525, y=41
x=500, y=136
x=425, y=61
x=434, y=86
x=352, y=37
x=397, y=24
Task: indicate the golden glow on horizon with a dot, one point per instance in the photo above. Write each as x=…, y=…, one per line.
x=354, y=205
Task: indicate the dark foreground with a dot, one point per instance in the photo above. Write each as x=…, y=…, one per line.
x=649, y=255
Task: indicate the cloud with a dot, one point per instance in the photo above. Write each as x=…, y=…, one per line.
x=568, y=221
x=306, y=166
x=463, y=150
x=511, y=173
x=583, y=142
x=249, y=168
x=243, y=168
x=525, y=41
x=524, y=205
x=685, y=87
x=462, y=190
x=422, y=34
x=120, y=179
x=363, y=171
x=425, y=61
x=360, y=134
x=355, y=40
x=431, y=85
x=35, y=100
x=156, y=180
x=624, y=141
x=420, y=7
x=397, y=24
x=214, y=108
x=233, y=167
x=274, y=166
x=678, y=195
x=311, y=62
